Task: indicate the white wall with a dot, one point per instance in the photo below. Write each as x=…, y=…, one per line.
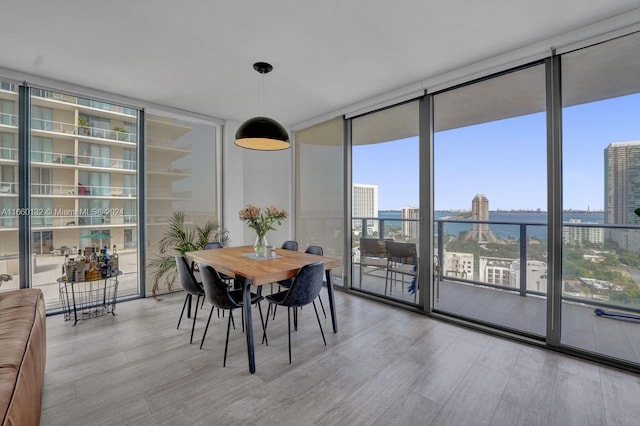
x=255, y=177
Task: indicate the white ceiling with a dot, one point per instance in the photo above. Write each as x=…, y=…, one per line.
x=197, y=55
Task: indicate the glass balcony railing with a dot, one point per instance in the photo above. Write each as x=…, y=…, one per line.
x=8, y=153
x=43, y=218
x=81, y=160
x=93, y=132
x=83, y=190
x=90, y=103
x=601, y=263
x=8, y=119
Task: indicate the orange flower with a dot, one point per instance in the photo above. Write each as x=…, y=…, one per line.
x=262, y=222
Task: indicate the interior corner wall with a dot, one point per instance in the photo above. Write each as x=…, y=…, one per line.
x=261, y=178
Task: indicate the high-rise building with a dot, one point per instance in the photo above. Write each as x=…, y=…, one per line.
x=622, y=182
x=480, y=212
x=364, y=204
x=622, y=191
x=410, y=227
x=577, y=235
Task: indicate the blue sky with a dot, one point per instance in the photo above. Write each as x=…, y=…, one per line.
x=505, y=160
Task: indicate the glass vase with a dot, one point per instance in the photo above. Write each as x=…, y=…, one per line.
x=260, y=246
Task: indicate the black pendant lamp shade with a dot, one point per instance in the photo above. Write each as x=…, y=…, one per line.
x=262, y=133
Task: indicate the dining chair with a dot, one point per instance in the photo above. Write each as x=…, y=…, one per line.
x=317, y=250
x=287, y=245
x=217, y=293
x=303, y=291
x=290, y=245
x=191, y=286
x=402, y=258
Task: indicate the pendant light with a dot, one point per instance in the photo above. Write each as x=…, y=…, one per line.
x=262, y=133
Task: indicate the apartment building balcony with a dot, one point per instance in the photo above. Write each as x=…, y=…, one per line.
x=58, y=128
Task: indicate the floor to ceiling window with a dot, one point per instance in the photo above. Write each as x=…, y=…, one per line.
x=319, y=190
x=78, y=156
x=601, y=190
x=9, y=260
x=385, y=198
x=182, y=175
x=490, y=198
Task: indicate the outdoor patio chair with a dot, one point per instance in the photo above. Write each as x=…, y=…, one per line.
x=373, y=254
x=402, y=258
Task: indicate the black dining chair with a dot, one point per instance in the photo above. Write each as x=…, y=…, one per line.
x=287, y=245
x=217, y=293
x=303, y=291
x=290, y=245
x=191, y=286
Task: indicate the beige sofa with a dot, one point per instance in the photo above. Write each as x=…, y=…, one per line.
x=23, y=350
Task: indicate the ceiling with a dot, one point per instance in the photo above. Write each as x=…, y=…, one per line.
x=197, y=55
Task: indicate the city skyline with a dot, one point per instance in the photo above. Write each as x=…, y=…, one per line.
x=514, y=147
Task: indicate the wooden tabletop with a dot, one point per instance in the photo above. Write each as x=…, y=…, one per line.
x=230, y=261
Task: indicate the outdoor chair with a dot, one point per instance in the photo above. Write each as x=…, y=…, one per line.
x=373, y=254
x=402, y=258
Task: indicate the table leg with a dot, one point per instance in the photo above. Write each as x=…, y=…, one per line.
x=246, y=285
x=75, y=312
x=332, y=302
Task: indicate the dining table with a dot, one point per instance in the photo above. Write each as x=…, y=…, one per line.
x=248, y=269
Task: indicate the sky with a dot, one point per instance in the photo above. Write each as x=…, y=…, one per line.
x=505, y=160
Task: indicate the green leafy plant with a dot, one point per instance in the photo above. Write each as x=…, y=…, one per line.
x=119, y=132
x=180, y=238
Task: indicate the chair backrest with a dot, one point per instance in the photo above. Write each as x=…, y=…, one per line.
x=306, y=285
x=317, y=250
x=290, y=245
x=212, y=245
x=185, y=275
x=402, y=252
x=374, y=247
x=215, y=290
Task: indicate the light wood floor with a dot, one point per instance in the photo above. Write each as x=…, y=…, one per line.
x=581, y=328
x=385, y=366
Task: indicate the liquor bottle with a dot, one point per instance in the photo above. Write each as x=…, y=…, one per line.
x=114, y=261
x=79, y=265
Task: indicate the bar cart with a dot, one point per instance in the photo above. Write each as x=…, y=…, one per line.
x=84, y=299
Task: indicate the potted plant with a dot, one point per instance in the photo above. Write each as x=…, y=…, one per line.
x=83, y=125
x=119, y=133
x=180, y=238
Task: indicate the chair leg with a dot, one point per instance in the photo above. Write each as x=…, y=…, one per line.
x=233, y=322
x=322, y=306
x=242, y=320
x=226, y=342
x=295, y=319
x=318, y=318
x=274, y=311
x=183, y=308
x=289, y=327
x=202, y=304
x=206, y=328
x=264, y=329
x=195, y=314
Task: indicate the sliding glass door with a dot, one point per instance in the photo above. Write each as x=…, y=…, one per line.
x=385, y=193
x=82, y=180
x=490, y=197
x=601, y=171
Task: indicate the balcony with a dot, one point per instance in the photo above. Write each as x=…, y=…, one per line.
x=501, y=296
x=48, y=157
x=58, y=127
